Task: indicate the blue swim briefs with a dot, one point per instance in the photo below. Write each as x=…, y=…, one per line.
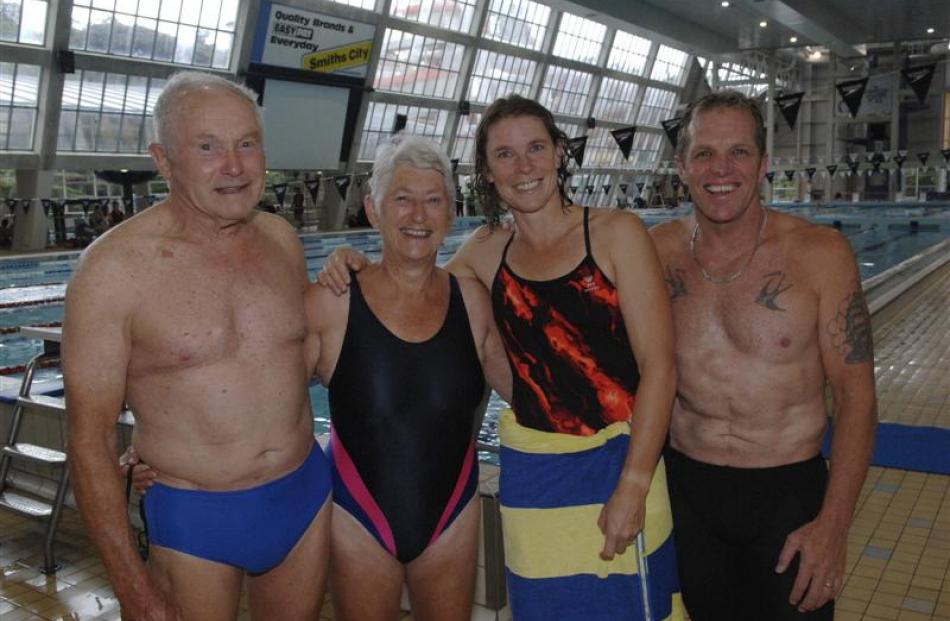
x=253, y=529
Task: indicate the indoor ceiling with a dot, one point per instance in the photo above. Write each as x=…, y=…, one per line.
x=706, y=28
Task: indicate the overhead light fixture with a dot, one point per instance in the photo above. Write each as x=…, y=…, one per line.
x=930, y=31
x=793, y=39
x=763, y=24
x=724, y=3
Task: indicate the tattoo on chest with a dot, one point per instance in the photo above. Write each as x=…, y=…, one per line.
x=850, y=329
x=774, y=286
x=674, y=278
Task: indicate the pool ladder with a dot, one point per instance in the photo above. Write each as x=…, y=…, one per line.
x=21, y=451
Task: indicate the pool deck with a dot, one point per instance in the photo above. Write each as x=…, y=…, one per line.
x=898, y=548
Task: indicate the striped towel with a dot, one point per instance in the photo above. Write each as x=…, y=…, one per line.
x=552, y=488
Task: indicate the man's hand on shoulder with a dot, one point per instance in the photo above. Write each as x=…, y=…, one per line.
x=335, y=274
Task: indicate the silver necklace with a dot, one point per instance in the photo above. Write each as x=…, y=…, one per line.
x=721, y=280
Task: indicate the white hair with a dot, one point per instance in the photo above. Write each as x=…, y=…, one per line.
x=414, y=151
x=184, y=83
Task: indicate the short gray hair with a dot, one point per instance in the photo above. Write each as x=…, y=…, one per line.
x=184, y=83
x=414, y=151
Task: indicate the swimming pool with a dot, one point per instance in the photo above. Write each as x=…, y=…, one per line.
x=32, y=288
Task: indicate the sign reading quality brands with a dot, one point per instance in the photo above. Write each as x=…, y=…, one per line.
x=299, y=39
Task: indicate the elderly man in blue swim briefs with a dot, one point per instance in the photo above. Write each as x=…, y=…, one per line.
x=192, y=312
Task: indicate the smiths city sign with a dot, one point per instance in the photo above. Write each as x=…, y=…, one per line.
x=298, y=39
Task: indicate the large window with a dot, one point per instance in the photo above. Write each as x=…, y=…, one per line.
x=369, y=5
x=418, y=65
x=451, y=14
x=23, y=21
x=107, y=112
x=616, y=100
x=517, y=22
x=602, y=150
x=670, y=65
x=566, y=91
x=657, y=106
x=465, y=138
x=646, y=150
x=19, y=85
x=381, y=118
x=629, y=53
x=187, y=32
x=498, y=75
x=579, y=39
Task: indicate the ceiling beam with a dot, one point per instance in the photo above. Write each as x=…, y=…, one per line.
x=812, y=20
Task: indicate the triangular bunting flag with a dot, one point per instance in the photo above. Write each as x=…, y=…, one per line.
x=313, y=187
x=810, y=172
x=946, y=155
x=923, y=156
x=639, y=185
x=590, y=188
x=900, y=158
x=280, y=190
x=770, y=176
x=455, y=164
x=342, y=183
x=46, y=206
x=675, y=182
x=853, y=165
x=832, y=168
x=127, y=202
x=672, y=129
x=575, y=147
x=876, y=160
x=919, y=79
x=624, y=138
x=25, y=204
x=852, y=92
x=789, y=174
x=607, y=187
x=789, y=105
x=573, y=189
x=623, y=187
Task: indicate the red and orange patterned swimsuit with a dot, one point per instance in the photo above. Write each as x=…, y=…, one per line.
x=573, y=368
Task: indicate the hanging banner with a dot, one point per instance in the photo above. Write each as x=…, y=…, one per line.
x=342, y=183
x=789, y=174
x=900, y=158
x=280, y=190
x=789, y=106
x=672, y=129
x=923, y=156
x=640, y=185
x=770, y=176
x=298, y=39
x=623, y=187
x=624, y=138
x=832, y=168
x=607, y=187
x=576, y=147
x=919, y=79
x=852, y=92
x=810, y=172
x=313, y=187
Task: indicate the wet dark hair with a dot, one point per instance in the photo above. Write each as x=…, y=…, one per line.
x=500, y=109
x=713, y=101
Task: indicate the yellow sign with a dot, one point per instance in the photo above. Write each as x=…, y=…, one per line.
x=335, y=59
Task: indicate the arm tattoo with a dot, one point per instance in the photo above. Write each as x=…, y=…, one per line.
x=850, y=329
x=674, y=278
x=773, y=287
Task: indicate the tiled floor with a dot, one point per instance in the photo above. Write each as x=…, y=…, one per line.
x=898, y=549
